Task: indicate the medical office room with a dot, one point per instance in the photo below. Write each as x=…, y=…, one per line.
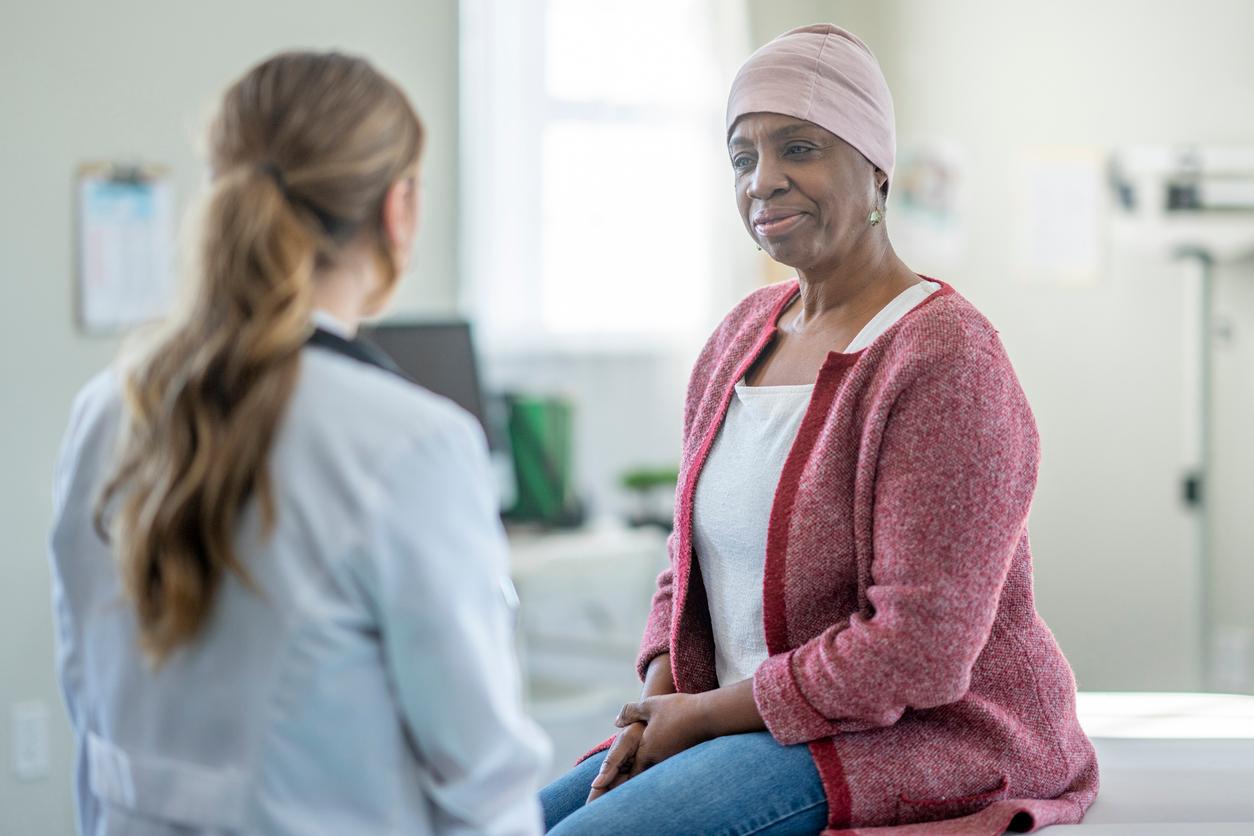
x=1071, y=185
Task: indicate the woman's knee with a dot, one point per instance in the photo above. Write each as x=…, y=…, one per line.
x=569, y=792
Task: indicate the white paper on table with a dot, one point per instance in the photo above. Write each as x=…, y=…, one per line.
x=1060, y=212
x=126, y=269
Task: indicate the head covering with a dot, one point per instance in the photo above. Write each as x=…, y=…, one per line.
x=825, y=75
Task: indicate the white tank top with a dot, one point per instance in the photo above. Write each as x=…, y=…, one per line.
x=732, y=506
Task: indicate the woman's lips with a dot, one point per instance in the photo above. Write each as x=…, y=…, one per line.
x=777, y=224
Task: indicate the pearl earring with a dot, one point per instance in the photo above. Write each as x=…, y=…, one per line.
x=875, y=217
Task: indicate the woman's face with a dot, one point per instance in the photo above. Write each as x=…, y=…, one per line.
x=804, y=193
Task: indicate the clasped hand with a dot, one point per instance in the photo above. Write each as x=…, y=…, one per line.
x=653, y=729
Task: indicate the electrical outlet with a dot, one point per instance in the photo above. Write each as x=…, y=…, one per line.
x=30, y=740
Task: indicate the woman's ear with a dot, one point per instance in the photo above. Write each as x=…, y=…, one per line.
x=400, y=219
x=881, y=185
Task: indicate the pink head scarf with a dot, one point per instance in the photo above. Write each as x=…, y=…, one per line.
x=825, y=75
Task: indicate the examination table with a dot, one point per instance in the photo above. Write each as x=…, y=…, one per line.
x=1171, y=764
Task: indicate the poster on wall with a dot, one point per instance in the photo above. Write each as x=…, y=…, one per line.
x=125, y=247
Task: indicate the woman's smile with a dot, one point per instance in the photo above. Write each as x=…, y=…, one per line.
x=776, y=222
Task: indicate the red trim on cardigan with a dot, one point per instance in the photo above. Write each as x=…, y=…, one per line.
x=775, y=622
x=832, y=776
x=774, y=615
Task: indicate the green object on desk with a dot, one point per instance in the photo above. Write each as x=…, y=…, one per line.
x=540, y=437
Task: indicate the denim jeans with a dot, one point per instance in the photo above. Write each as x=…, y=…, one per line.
x=738, y=784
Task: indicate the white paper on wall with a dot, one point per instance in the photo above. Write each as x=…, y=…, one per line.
x=126, y=267
x=1060, y=210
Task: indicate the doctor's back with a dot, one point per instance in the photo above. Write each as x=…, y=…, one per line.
x=280, y=583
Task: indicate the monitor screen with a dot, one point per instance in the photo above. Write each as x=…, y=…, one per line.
x=439, y=356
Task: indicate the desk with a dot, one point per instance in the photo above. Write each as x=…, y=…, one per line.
x=586, y=586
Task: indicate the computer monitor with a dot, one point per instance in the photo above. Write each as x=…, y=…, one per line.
x=439, y=356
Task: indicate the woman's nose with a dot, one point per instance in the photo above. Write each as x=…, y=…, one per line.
x=766, y=180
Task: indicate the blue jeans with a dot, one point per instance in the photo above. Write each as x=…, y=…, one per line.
x=738, y=784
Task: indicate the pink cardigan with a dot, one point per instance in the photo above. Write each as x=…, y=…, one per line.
x=905, y=645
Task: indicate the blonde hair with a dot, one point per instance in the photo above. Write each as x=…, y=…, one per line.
x=304, y=149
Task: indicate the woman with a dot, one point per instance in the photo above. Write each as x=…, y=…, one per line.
x=278, y=570
x=846, y=636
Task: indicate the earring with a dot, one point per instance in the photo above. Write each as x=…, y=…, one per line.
x=875, y=217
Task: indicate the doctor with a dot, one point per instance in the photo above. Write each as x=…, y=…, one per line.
x=278, y=573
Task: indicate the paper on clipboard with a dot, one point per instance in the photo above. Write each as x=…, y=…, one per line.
x=126, y=268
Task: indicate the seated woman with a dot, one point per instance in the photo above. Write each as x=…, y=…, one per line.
x=846, y=636
x=280, y=601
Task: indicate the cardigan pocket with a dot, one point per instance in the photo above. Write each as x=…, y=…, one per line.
x=913, y=810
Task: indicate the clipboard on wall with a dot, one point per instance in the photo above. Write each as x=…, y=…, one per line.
x=125, y=246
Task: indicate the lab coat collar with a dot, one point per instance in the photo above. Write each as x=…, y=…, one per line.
x=358, y=349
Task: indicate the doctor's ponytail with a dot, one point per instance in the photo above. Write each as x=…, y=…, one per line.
x=303, y=150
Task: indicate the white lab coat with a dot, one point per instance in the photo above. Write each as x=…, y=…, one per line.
x=370, y=688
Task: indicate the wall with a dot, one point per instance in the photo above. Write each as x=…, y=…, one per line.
x=136, y=80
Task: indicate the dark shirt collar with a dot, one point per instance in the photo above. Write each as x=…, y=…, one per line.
x=359, y=349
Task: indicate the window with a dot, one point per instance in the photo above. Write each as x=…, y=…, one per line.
x=597, y=208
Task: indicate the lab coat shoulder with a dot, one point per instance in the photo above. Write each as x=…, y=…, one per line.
x=356, y=440
x=371, y=406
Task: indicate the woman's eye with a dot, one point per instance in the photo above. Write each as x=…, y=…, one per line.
x=741, y=161
x=797, y=149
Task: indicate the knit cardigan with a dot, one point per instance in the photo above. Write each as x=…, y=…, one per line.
x=905, y=646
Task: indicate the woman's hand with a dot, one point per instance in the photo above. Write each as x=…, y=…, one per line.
x=653, y=730
x=672, y=723
x=619, y=761
x=665, y=724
